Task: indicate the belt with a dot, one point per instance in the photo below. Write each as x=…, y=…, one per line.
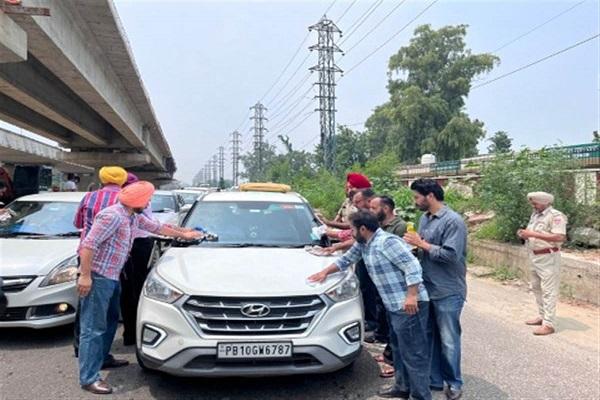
x=548, y=250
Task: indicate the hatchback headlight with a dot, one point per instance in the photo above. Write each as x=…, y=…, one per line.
x=64, y=272
x=158, y=289
x=347, y=289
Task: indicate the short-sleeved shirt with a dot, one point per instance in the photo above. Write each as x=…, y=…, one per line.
x=111, y=238
x=548, y=221
x=343, y=215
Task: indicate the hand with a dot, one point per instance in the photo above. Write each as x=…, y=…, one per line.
x=192, y=235
x=318, y=277
x=327, y=251
x=84, y=285
x=413, y=238
x=525, y=233
x=411, y=305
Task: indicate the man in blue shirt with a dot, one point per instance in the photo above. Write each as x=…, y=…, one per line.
x=442, y=243
x=397, y=275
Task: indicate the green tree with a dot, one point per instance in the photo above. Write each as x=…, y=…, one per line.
x=255, y=167
x=596, y=138
x=499, y=143
x=429, y=81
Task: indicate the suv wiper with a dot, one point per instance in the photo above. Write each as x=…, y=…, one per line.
x=67, y=234
x=13, y=234
x=281, y=246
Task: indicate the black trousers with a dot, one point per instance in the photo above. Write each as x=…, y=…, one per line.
x=133, y=276
x=369, y=296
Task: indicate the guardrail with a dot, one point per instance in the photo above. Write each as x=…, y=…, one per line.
x=587, y=156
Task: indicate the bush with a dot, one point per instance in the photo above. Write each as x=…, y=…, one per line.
x=508, y=178
x=324, y=191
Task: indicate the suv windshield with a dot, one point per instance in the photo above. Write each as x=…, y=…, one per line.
x=255, y=223
x=162, y=202
x=38, y=218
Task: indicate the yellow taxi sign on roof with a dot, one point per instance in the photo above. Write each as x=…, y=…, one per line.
x=265, y=187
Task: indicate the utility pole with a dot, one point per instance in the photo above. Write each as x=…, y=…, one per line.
x=236, y=141
x=221, y=164
x=259, y=132
x=327, y=69
x=207, y=173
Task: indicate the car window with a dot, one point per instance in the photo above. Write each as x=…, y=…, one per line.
x=189, y=198
x=38, y=217
x=162, y=202
x=260, y=223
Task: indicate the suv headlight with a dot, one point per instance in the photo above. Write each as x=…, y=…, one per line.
x=64, y=272
x=158, y=289
x=347, y=289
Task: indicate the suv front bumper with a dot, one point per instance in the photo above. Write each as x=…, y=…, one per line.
x=183, y=350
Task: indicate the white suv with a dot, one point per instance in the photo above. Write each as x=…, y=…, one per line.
x=242, y=305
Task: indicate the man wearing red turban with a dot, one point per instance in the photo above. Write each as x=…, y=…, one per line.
x=354, y=182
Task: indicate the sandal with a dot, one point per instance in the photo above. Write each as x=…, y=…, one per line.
x=387, y=371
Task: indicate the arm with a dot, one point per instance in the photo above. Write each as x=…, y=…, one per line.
x=78, y=221
x=84, y=282
x=453, y=242
x=558, y=231
x=352, y=256
x=343, y=246
x=152, y=226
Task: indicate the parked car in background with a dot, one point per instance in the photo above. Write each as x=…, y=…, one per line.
x=189, y=196
x=242, y=305
x=167, y=207
x=38, y=260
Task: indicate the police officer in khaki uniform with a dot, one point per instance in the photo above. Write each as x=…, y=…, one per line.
x=545, y=233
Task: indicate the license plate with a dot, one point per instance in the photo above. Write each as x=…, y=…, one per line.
x=254, y=350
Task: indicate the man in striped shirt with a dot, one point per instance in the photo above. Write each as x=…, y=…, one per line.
x=103, y=253
x=112, y=179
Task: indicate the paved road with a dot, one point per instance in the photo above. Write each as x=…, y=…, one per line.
x=502, y=360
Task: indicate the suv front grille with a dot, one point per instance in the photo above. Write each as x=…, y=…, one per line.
x=224, y=316
x=13, y=284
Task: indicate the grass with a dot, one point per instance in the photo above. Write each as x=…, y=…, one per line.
x=503, y=273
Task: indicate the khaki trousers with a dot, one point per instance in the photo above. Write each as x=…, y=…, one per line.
x=545, y=282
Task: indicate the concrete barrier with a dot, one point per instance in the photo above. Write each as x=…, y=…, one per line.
x=580, y=279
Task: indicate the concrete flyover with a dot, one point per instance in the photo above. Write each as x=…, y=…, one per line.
x=20, y=150
x=71, y=77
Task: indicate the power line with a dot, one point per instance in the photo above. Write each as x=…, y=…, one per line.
x=289, y=79
x=293, y=105
x=538, y=26
x=391, y=38
x=289, y=122
x=287, y=65
x=345, y=12
x=278, y=110
x=536, y=62
x=377, y=25
x=361, y=20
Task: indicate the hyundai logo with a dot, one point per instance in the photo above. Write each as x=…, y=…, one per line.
x=255, y=310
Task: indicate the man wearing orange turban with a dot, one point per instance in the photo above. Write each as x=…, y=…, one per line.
x=103, y=254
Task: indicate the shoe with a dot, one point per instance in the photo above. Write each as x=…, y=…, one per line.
x=543, y=330
x=453, y=394
x=436, y=388
x=114, y=363
x=393, y=393
x=98, y=387
x=534, y=321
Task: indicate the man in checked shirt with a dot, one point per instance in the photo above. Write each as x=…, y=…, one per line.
x=103, y=253
x=398, y=277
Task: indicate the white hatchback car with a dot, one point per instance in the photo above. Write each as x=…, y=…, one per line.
x=242, y=305
x=38, y=261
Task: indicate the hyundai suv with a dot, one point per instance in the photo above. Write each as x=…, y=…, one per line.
x=242, y=305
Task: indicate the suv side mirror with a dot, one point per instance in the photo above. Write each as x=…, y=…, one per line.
x=184, y=209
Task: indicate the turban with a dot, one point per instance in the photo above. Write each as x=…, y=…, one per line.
x=131, y=178
x=541, y=197
x=116, y=175
x=358, y=181
x=137, y=195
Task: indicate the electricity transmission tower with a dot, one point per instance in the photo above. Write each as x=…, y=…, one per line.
x=326, y=67
x=215, y=172
x=221, y=164
x=236, y=142
x=259, y=132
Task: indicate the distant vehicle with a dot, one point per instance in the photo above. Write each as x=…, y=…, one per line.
x=167, y=207
x=38, y=245
x=241, y=305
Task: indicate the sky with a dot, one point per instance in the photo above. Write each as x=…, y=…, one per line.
x=205, y=63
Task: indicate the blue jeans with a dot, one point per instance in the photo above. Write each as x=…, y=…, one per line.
x=444, y=334
x=99, y=316
x=408, y=338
